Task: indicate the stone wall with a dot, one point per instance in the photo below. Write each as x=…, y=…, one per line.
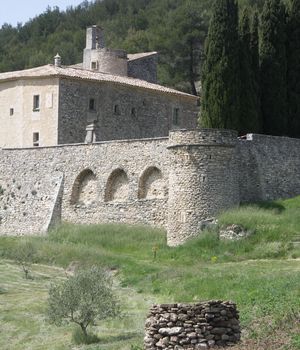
x=144, y=68
x=120, y=112
x=192, y=326
x=101, y=183
x=176, y=183
x=268, y=167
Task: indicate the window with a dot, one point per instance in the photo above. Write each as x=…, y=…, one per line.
x=11, y=111
x=36, y=102
x=175, y=116
x=94, y=65
x=117, y=110
x=92, y=104
x=36, y=139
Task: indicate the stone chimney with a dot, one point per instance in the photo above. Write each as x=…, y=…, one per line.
x=57, y=60
x=94, y=38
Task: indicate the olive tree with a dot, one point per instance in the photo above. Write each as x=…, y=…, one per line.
x=25, y=255
x=83, y=298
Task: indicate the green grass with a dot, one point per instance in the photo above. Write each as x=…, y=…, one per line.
x=261, y=273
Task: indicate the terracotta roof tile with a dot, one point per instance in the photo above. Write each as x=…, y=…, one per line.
x=77, y=73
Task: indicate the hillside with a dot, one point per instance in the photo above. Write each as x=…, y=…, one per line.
x=260, y=273
x=176, y=29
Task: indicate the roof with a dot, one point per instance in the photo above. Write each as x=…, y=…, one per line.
x=136, y=56
x=77, y=73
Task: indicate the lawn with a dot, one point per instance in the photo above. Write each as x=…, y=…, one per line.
x=260, y=273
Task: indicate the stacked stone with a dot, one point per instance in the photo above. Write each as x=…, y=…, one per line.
x=192, y=326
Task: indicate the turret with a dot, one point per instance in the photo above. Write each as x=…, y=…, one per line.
x=202, y=180
x=98, y=58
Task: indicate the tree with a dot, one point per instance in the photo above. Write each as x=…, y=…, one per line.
x=249, y=96
x=273, y=68
x=221, y=77
x=254, y=50
x=293, y=55
x=25, y=255
x=181, y=43
x=82, y=299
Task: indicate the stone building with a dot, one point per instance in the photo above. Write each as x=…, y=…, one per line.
x=114, y=146
x=111, y=95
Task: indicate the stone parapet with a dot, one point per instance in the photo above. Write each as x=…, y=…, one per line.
x=197, y=326
x=204, y=137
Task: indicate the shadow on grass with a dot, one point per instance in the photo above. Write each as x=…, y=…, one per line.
x=274, y=206
x=119, y=337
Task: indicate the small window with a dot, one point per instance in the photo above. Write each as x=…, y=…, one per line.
x=94, y=65
x=11, y=111
x=36, y=102
x=117, y=110
x=36, y=139
x=133, y=112
x=175, y=116
x=92, y=104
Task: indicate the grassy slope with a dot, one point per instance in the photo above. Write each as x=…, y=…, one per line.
x=266, y=290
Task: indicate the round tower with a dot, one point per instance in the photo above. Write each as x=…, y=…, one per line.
x=98, y=58
x=203, y=179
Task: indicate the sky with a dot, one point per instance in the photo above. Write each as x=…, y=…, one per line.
x=14, y=11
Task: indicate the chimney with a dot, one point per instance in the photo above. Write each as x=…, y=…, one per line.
x=57, y=60
x=94, y=38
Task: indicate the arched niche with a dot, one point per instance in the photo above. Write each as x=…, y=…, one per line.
x=117, y=187
x=151, y=184
x=84, y=189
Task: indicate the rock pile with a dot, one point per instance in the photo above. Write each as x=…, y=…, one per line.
x=192, y=326
x=234, y=232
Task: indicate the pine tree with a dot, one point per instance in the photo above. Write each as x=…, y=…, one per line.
x=293, y=54
x=249, y=107
x=220, y=79
x=273, y=68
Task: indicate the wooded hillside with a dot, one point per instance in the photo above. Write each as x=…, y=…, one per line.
x=175, y=28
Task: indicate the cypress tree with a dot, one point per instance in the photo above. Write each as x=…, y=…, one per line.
x=273, y=68
x=249, y=107
x=293, y=54
x=254, y=50
x=220, y=79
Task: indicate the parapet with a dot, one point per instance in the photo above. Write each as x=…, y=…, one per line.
x=203, y=137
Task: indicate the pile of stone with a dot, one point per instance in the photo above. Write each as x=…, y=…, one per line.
x=192, y=326
x=234, y=232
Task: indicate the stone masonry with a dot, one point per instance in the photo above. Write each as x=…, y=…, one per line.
x=174, y=182
x=192, y=326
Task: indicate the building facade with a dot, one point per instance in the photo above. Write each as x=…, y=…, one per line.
x=111, y=95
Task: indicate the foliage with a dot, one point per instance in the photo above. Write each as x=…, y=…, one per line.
x=82, y=299
x=25, y=254
x=174, y=28
x=293, y=74
x=249, y=92
x=221, y=80
x=273, y=68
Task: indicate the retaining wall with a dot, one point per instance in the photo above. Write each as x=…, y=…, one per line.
x=192, y=326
